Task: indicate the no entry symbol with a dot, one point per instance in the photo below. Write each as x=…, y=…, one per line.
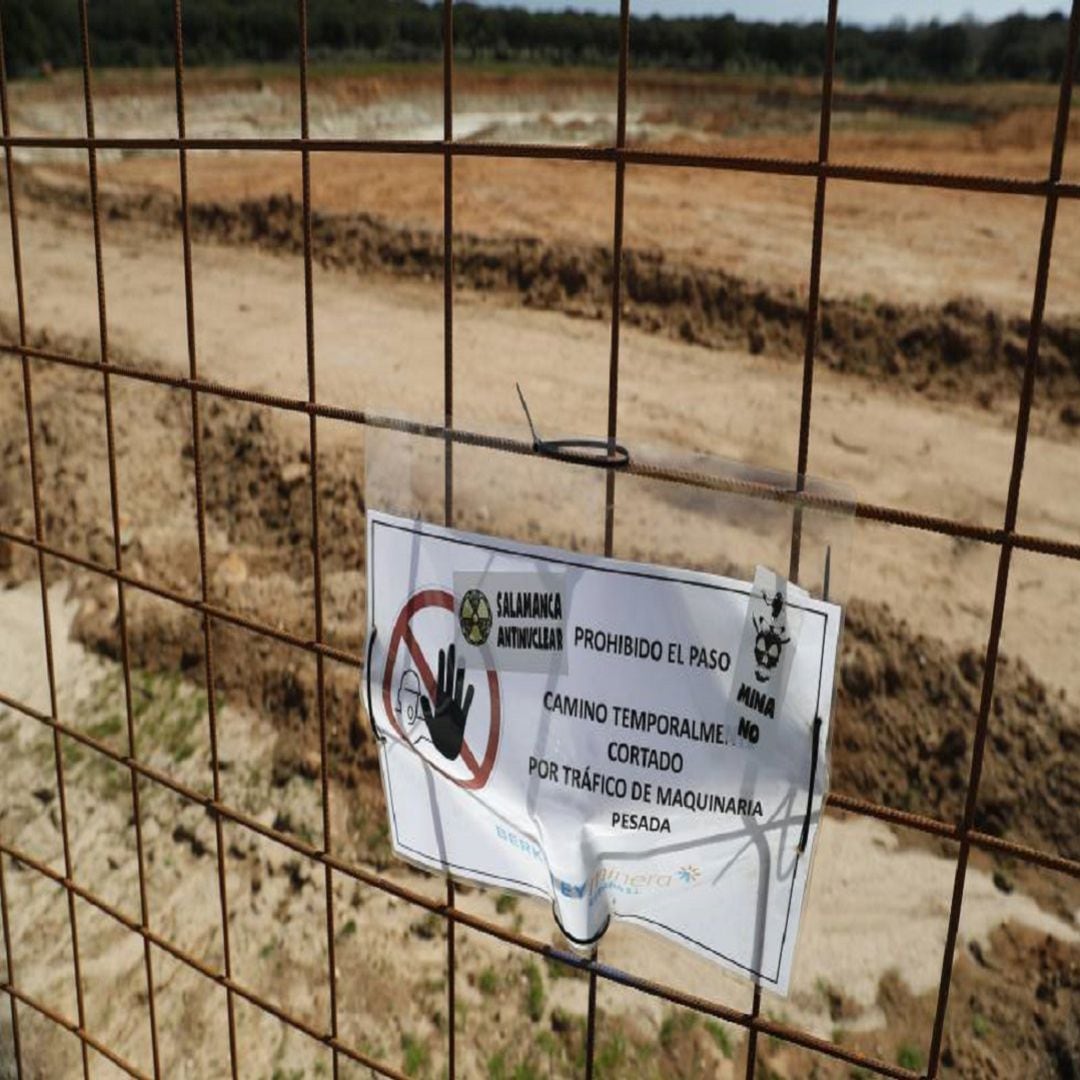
x=405, y=650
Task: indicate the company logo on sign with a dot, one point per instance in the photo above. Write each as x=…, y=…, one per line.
x=512, y=620
x=629, y=882
x=474, y=615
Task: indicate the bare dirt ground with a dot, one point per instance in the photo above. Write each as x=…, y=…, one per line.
x=846, y=988
x=914, y=407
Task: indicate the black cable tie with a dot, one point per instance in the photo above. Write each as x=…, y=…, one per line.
x=581, y=943
x=579, y=451
x=528, y=416
x=804, y=836
x=815, y=745
x=379, y=736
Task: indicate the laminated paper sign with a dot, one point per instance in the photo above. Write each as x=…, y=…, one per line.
x=629, y=741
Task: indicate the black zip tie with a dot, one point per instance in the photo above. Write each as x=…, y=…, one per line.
x=579, y=451
x=816, y=734
x=581, y=943
x=805, y=835
x=379, y=736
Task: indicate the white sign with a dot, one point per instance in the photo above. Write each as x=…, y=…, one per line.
x=627, y=740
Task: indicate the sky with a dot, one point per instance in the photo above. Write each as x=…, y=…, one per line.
x=865, y=12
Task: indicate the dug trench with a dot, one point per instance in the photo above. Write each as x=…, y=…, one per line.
x=961, y=350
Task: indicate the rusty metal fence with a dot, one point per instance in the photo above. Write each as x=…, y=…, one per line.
x=195, y=387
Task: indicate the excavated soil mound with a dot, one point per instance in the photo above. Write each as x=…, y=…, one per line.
x=906, y=714
x=998, y=992
x=962, y=350
x=1011, y=1014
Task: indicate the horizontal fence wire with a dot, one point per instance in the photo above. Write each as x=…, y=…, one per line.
x=1051, y=189
x=862, y=510
x=628, y=155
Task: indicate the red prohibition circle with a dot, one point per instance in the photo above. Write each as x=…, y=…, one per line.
x=439, y=598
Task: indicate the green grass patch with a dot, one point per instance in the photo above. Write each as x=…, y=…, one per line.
x=720, y=1036
x=534, y=992
x=499, y=1068
x=74, y=753
x=414, y=1055
x=106, y=729
x=611, y=1056
x=909, y=1057
x=674, y=1024
x=168, y=712
x=556, y=969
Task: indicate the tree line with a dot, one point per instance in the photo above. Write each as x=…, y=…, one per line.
x=40, y=34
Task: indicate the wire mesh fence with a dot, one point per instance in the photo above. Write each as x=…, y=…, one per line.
x=195, y=389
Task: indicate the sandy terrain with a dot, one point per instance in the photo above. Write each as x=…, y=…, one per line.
x=859, y=926
x=366, y=360
x=920, y=604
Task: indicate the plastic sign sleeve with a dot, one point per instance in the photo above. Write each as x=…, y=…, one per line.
x=629, y=741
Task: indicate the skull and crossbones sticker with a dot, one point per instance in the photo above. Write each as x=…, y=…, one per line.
x=771, y=637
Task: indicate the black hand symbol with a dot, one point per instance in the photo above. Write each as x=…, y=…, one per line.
x=447, y=723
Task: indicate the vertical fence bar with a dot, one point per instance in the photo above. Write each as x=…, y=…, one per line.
x=316, y=545
x=114, y=504
x=813, y=303
x=814, y=298
x=613, y=393
x=200, y=524
x=448, y=450
x=617, y=268
x=9, y=173
x=16, y=1044
x=1012, y=506
x=39, y=537
x=809, y=355
x=448, y=252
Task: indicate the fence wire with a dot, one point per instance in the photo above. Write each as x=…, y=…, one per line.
x=619, y=155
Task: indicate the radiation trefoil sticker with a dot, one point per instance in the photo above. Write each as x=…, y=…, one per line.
x=628, y=741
